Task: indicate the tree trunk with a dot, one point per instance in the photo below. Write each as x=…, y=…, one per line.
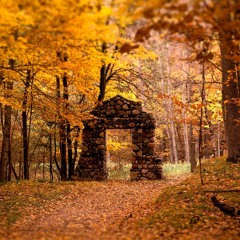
x=192, y=150
x=102, y=87
x=105, y=75
x=6, y=142
x=231, y=108
x=6, y=138
x=170, y=118
x=171, y=155
x=62, y=134
x=25, y=127
x=70, y=152
x=76, y=145
x=200, y=136
x=68, y=129
x=9, y=177
x=218, y=141
x=174, y=143
x=55, y=152
x=63, y=122
x=185, y=124
x=50, y=157
x=63, y=150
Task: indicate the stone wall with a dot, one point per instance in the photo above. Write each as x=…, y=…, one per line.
x=119, y=113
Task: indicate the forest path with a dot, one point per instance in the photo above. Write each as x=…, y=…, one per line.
x=91, y=210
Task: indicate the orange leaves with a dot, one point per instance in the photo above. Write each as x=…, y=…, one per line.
x=122, y=210
x=60, y=210
x=38, y=29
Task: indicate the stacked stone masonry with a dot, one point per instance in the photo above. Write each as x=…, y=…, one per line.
x=119, y=113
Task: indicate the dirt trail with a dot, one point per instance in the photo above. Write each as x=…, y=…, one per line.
x=98, y=210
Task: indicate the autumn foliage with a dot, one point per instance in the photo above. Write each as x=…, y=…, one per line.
x=58, y=58
x=61, y=58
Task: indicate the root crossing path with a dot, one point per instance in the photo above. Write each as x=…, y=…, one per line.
x=91, y=210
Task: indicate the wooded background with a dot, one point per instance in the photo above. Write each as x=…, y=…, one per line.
x=59, y=58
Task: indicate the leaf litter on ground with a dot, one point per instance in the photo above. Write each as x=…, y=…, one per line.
x=174, y=208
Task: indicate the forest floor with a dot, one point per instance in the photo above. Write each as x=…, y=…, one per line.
x=174, y=208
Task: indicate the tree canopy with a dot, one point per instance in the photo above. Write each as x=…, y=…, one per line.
x=59, y=58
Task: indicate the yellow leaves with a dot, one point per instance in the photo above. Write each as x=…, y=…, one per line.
x=24, y=19
x=32, y=32
x=105, y=12
x=114, y=146
x=4, y=101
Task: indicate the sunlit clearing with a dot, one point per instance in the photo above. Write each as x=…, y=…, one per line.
x=119, y=153
x=170, y=169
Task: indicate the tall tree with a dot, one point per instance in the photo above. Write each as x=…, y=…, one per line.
x=6, y=141
x=229, y=35
x=25, y=126
x=195, y=21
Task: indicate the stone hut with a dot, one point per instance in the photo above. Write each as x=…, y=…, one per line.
x=119, y=113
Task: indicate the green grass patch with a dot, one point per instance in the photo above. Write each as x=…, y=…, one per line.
x=170, y=169
x=118, y=171
x=187, y=207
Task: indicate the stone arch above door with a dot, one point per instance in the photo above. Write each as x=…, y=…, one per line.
x=119, y=113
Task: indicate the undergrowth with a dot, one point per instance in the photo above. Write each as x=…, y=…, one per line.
x=187, y=207
x=118, y=171
x=170, y=169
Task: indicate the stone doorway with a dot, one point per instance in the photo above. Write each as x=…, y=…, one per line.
x=119, y=153
x=119, y=113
